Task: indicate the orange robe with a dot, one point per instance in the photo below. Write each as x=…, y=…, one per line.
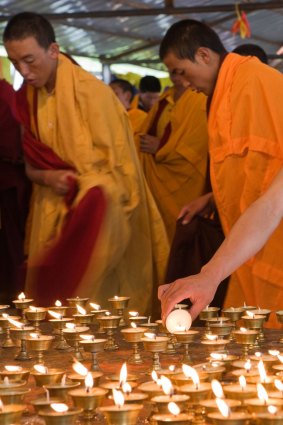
x=246, y=150
x=137, y=118
x=176, y=173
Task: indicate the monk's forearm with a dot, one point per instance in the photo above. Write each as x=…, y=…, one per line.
x=248, y=235
x=37, y=176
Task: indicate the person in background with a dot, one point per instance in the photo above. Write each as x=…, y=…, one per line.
x=125, y=93
x=149, y=92
x=15, y=191
x=173, y=149
x=250, y=49
x=92, y=213
x=245, y=127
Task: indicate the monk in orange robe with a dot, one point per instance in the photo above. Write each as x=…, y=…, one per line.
x=245, y=128
x=173, y=149
x=149, y=91
x=125, y=93
x=95, y=229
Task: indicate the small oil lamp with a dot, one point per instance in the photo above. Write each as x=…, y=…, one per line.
x=81, y=372
x=212, y=370
x=121, y=413
x=72, y=334
x=173, y=417
x=226, y=417
x=162, y=401
x=266, y=381
x=213, y=343
x=197, y=390
x=120, y=304
x=44, y=375
x=245, y=338
x=10, y=413
x=224, y=358
x=152, y=388
x=255, y=322
x=155, y=344
x=212, y=406
x=35, y=315
x=92, y=345
x=221, y=329
x=133, y=335
x=136, y=318
x=19, y=333
x=43, y=402
x=73, y=302
x=59, y=308
x=60, y=390
x=233, y=313
x=186, y=337
x=110, y=324
x=5, y=323
x=58, y=322
x=22, y=303
x=260, y=404
x=39, y=344
x=208, y=313
x=245, y=368
x=97, y=312
x=82, y=318
x=16, y=373
x=14, y=396
x=272, y=417
x=59, y=414
x=269, y=360
x=171, y=338
x=186, y=376
x=88, y=398
x=240, y=391
x=8, y=384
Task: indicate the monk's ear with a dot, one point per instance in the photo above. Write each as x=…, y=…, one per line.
x=54, y=50
x=203, y=54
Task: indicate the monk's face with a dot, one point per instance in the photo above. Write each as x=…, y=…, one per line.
x=36, y=64
x=200, y=74
x=123, y=96
x=149, y=99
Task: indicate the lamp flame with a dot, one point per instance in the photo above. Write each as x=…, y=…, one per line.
x=173, y=408
x=32, y=308
x=154, y=376
x=133, y=325
x=150, y=335
x=217, y=388
x=58, y=303
x=34, y=335
x=273, y=352
x=1, y=405
x=59, y=407
x=280, y=358
x=22, y=296
x=95, y=306
x=16, y=323
x=218, y=356
x=278, y=384
x=262, y=372
x=262, y=393
x=70, y=326
x=40, y=368
x=242, y=382
x=81, y=310
x=87, y=337
x=248, y=365
x=118, y=397
x=167, y=386
x=211, y=337
x=63, y=380
x=272, y=410
x=123, y=374
x=88, y=382
x=244, y=330
x=223, y=407
x=13, y=368
x=172, y=367
x=55, y=314
x=126, y=388
x=80, y=368
x=133, y=313
x=250, y=314
x=190, y=372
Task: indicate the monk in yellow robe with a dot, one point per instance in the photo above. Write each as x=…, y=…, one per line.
x=173, y=150
x=149, y=91
x=95, y=230
x=125, y=93
x=246, y=154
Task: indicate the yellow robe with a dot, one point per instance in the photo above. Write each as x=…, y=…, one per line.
x=137, y=118
x=176, y=173
x=85, y=125
x=246, y=149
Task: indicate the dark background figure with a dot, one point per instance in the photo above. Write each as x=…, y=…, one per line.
x=14, y=199
x=250, y=49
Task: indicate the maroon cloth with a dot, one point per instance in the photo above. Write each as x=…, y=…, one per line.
x=14, y=198
x=153, y=129
x=61, y=270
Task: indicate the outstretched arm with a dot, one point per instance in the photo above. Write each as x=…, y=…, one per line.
x=246, y=238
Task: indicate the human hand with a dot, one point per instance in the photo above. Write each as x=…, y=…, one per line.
x=198, y=288
x=58, y=180
x=149, y=144
x=202, y=206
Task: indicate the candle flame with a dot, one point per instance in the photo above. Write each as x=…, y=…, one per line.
x=133, y=325
x=133, y=313
x=262, y=372
x=34, y=335
x=59, y=407
x=88, y=382
x=167, y=386
x=63, y=380
x=190, y=372
x=123, y=374
x=242, y=382
x=258, y=354
x=262, y=393
x=118, y=397
x=87, y=337
x=5, y=316
x=80, y=368
x=280, y=358
x=272, y=410
x=218, y=356
x=95, y=306
x=116, y=297
x=217, y=388
x=107, y=313
x=173, y=408
x=1, y=405
x=223, y=407
x=55, y=314
x=126, y=388
x=16, y=323
x=40, y=368
x=13, y=368
x=250, y=314
x=70, y=326
x=154, y=376
x=32, y=308
x=172, y=367
x=244, y=330
x=211, y=337
x=278, y=384
x=22, y=296
x=47, y=395
x=150, y=335
x=273, y=352
x=58, y=303
x=81, y=310
x=248, y=365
